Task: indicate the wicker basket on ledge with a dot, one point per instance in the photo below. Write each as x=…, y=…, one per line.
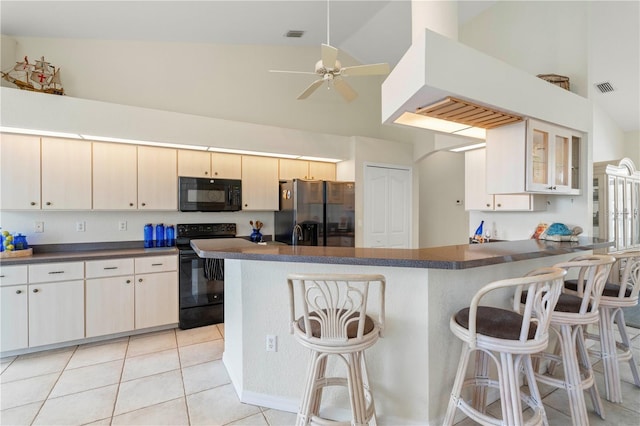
x=558, y=80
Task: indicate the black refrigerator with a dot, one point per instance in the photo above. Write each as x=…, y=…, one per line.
x=324, y=210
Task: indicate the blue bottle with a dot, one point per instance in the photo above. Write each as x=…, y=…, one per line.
x=148, y=235
x=20, y=242
x=160, y=235
x=171, y=236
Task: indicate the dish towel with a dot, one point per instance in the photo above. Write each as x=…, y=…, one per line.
x=214, y=269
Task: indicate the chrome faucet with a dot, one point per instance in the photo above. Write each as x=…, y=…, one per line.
x=297, y=231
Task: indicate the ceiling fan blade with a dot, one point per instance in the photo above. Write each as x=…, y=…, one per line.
x=309, y=90
x=293, y=72
x=329, y=56
x=371, y=69
x=344, y=89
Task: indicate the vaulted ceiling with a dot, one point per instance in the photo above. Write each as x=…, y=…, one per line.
x=370, y=31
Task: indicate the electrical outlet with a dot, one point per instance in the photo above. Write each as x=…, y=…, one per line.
x=38, y=227
x=272, y=343
x=80, y=227
x=122, y=225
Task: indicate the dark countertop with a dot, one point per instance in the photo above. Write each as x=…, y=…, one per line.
x=461, y=256
x=86, y=251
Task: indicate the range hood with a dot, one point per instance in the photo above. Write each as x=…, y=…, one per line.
x=436, y=67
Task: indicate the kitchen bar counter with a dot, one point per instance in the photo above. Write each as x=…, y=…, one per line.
x=461, y=256
x=412, y=368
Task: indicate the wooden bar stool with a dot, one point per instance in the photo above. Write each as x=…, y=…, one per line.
x=574, y=310
x=508, y=338
x=620, y=291
x=329, y=317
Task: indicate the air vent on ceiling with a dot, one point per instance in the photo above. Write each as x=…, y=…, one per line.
x=294, y=33
x=465, y=112
x=605, y=87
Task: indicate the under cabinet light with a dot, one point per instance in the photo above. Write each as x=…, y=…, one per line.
x=468, y=147
x=147, y=143
x=39, y=132
x=247, y=152
x=321, y=159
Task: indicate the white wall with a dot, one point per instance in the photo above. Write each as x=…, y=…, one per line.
x=632, y=146
x=608, y=139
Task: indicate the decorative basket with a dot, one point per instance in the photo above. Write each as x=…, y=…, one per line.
x=16, y=253
x=558, y=80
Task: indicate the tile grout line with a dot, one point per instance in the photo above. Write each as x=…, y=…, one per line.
x=115, y=400
x=54, y=385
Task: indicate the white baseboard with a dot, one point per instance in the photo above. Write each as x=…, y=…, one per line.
x=269, y=401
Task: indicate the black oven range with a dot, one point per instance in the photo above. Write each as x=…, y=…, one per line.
x=201, y=281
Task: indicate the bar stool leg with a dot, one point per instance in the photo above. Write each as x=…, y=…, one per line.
x=589, y=380
x=457, y=386
x=368, y=396
x=572, y=376
x=626, y=345
x=510, y=390
x=356, y=390
x=481, y=375
x=608, y=352
x=534, y=392
x=310, y=403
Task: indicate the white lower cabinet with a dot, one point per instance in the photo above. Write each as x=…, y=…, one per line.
x=156, y=295
x=14, y=322
x=110, y=296
x=52, y=303
x=127, y=294
x=56, y=312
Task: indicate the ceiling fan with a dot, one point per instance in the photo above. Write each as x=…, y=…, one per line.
x=331, y=71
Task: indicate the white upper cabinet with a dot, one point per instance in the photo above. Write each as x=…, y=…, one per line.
x=205, y=164
x=194, y=163
x=533, y=157
x=227, y=166
x=477, y=198
x=19, y=172
x=302, y=169
x=115, y=176
x=260, y=184
x=157, y=178
x=66, y=174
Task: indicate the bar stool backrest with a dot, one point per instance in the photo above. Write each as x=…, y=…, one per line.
x=626, y=272
x=593, y=271
x=333, y=307
x=543, y=287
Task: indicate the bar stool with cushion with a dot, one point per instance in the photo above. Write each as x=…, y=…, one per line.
x=573, y=311
x=329, y=316
x=508, y=338
x=620, y=291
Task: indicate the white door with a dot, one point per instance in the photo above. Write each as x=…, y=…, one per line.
x=387, y=207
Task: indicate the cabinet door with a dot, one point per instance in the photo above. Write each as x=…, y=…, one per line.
x=293, y=169
x=11, y=275
x=156, y=299
x=14, y=318
x=110, y=305
x=635, y=214
x=322, y=171
x=513, y=202
x=194, y=163
x=114, y=176
x=56, y=312
x=157, y=178
x=19, y=172
x=475, y=193
x=228, y=166
x=66, y=174
x=260, y=183
x=550, y=162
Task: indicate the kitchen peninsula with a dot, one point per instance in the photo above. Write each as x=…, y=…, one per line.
x=412, y=368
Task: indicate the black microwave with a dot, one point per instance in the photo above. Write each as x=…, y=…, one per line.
x=209, y=195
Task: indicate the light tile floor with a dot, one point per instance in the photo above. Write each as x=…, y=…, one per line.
x=176, y=377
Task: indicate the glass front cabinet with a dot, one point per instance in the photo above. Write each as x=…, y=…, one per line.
x=616, y=203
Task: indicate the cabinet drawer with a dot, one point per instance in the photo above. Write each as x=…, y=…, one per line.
x=10, y=275
x=146, y=265
x=50, y=272
x=109, y=268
